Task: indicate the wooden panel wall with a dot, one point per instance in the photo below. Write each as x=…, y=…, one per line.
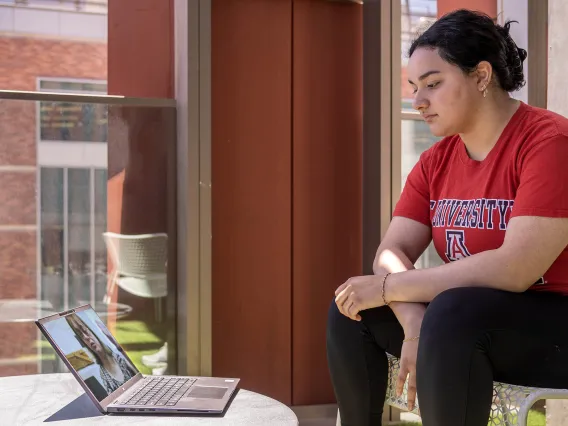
x=251, y=193
x=327, y=171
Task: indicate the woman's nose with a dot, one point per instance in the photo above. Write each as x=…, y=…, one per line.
x=90, y=342
x=419, y=103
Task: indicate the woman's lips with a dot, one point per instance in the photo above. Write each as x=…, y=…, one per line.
x=428, y=118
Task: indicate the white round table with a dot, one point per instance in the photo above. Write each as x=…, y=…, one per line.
x=58, y=399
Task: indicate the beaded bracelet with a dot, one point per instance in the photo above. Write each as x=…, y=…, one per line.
x=383, y=293
x=411, y=339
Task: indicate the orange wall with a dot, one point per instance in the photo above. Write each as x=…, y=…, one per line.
x=487, y=6
x=251, y=204
x=141, y=48
x=286, y=161
x=327, y=168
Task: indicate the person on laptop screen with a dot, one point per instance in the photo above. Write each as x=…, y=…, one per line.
x=113, y=368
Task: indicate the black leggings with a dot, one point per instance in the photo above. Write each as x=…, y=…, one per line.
x=469, y=338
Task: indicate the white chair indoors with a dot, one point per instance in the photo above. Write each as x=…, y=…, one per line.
x=140, y=265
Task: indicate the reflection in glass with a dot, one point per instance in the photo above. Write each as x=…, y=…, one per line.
x=73, y=122
x=81, y=187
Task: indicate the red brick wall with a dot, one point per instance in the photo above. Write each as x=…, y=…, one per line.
x=22, y=61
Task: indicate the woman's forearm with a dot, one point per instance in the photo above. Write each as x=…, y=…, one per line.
x=486, y=269
x=409, y=314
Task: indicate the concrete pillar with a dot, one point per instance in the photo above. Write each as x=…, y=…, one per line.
x=557, y=410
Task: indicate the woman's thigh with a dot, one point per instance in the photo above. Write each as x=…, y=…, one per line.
x=524, y=335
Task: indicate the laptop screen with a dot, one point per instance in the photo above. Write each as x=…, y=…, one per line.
x=92, y=351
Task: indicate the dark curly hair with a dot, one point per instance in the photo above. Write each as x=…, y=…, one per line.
x=465, y=38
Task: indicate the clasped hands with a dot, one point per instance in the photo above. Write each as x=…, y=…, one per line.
x=366, y=292
x=358, y=294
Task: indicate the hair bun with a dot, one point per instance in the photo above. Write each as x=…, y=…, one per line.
x=515, y=56
x=522, y=54
x=465, y=38
x=506, y=29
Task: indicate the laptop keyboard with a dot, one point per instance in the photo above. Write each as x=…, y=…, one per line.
x=161, y=391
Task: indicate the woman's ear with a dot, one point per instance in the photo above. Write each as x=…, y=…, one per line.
x=484, y=73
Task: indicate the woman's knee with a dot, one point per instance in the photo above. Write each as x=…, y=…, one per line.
x=341, y=330
x=455, y=310
x=337, y=323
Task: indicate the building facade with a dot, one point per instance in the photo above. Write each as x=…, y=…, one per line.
x=52, y=162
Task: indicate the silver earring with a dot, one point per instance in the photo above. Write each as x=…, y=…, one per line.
x=485, y=92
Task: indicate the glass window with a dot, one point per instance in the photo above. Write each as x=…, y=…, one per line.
x=79, y=245
x=72, y=122
x=416, y=15
x=416, y=138
x=100, y=226
x=75, y=264
x=52, y=235
x=73, y=218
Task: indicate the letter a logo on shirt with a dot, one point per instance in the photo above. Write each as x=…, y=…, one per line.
x=455, y=245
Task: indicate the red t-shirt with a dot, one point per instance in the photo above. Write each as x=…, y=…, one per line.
x=468, y=203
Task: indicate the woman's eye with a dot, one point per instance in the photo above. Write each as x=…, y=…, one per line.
x=432, y=85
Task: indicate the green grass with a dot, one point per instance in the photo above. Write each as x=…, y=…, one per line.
x=535, y=419
x=133, y=334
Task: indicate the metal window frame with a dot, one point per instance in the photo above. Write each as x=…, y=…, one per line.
x=390, y=115
x=538, y=53
x=22, y=95
x=193, y=95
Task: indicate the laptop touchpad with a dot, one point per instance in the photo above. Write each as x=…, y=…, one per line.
x=209, y=392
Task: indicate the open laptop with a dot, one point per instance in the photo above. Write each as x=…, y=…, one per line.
x=111, y=380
